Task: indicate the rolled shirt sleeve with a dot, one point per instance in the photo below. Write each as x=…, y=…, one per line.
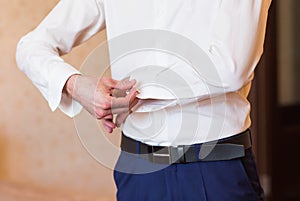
x=38, y=55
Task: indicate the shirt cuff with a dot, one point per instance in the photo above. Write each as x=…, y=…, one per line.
x=58, y=77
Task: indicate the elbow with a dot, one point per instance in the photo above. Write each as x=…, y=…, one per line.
x=21, y=53
x=30, y=49
x=18, y=55
x=233, y=74
x=239, y=75
x=233, y=82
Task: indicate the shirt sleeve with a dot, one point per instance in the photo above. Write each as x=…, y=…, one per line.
x=38, y=55
x=237, y=41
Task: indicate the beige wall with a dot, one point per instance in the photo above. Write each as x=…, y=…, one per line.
x=40, y=149
x=288, y=73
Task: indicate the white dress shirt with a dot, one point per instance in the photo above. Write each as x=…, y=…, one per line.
x=190, y=108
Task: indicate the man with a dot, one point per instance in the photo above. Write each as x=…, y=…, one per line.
x=186, y=131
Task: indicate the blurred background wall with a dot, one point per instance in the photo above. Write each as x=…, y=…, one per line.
x=40, y=150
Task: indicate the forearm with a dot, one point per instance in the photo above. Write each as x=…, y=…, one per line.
x=70, y=85
x=38, y=54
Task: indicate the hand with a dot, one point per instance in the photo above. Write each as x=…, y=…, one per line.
x=120, y=119
x=107, y=121
x=95, y=95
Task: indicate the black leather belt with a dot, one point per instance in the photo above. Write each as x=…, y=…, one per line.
x=223, y=149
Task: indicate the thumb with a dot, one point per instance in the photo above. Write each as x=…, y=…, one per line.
x=120, y=119
x=124, y=84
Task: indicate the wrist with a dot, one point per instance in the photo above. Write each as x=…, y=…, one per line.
x=70, y=85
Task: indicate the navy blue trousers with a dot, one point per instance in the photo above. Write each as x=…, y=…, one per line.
x=233, y=180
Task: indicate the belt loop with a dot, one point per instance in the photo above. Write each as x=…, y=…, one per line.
x=197, y=150
x=181, y=153
x=249, y=130
x=137, y=147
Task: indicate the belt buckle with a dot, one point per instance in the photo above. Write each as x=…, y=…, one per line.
x=168, y=155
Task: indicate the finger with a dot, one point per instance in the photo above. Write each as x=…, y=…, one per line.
x=103, y=114
x=118, y=93
x=108, y=129
x=133, y=103
x=125, y=84
x=116, y=107
x=122, y=93
x=120, y=119
x=108, y=125
x=124, y=102
x=110, y=116
x=108, y=82
x=100, y=113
